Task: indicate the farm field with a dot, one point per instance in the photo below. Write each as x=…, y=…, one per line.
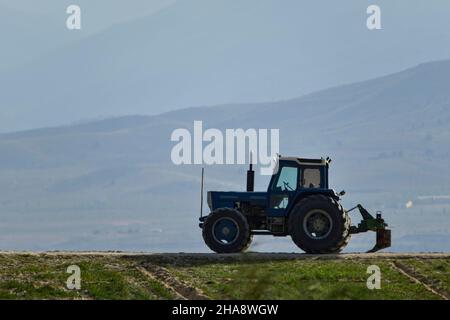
x=116, y=275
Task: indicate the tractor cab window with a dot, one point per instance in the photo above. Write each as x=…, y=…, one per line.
x=311, y=178
x=287, y=180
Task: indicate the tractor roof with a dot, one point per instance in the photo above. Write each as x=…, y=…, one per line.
x=304, y=161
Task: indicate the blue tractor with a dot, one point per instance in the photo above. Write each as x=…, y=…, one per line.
x=298, y=203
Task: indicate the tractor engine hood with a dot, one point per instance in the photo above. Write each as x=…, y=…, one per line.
x=228, y=199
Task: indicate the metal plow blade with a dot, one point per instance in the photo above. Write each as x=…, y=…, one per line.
x=383, y=240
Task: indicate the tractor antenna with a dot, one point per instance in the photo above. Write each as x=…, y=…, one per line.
x=201, y=192
x=251, y=176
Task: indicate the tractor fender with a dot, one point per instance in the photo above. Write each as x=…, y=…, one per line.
x=311, y=192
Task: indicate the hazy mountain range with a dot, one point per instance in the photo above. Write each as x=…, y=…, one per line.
x=110, y=184
x=156, y=56
x=96, y=15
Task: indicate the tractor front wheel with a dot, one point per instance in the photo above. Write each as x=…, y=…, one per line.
x=319, y=224
x=226, y=230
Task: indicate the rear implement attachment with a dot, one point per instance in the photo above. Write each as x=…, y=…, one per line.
x=377, y=224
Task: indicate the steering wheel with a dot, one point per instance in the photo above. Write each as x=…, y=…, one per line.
x=287, y=186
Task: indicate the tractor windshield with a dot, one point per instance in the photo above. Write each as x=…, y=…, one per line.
x=287, y=180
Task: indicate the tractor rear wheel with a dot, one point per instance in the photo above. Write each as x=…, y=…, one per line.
x=226, y=230
x=318, y=224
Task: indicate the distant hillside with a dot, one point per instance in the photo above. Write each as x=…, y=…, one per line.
x=96, y=15
x=204, y=52
x=27, y=36
x=110, y=184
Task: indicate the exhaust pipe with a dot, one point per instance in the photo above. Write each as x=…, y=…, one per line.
x=250, y=177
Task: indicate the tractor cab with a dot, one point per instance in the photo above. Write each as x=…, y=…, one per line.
x=293, y=173
x=294, y=178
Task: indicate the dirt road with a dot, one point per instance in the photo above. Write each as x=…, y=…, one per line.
x=251, y=256
x=239, y=256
